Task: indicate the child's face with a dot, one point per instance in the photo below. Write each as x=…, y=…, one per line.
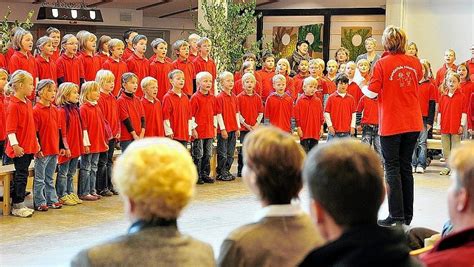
x=228, y=82
x=140, y=47
x=462, y=71
x=183, y=52
x=342, y=88
x=56, y=37
x=27, y=42
x=161, y=50
x=48, y=49
x=205, y=48
x=449, y=57
x=71, y=46
x=130, y=38
x=452, y=83
x=332, y=67
x=315, y=70
x=94, y=95
x=249, y=85
x=341, y=56
x=105, y=47
x=90, y=45
x=48, y=93
x=3, y=82
x=363, y=67
x=108, y=86
x=193, y=44
x=350, y=70
x=370, y=46
x=269, y=63
x=206, y=84
x=411, y=50
x=279, y=86
x=282, y=67
x=178, y=81
x=303, y=66
x=310, y=89
x=342, y=68
x=117, y=51
x=73, y=96
x=131, y=85
x=27, y=87
x=151, y=90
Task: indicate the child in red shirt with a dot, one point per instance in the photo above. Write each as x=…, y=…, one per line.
x=52, y=142
x=177, y=110
x=128, y=39
x=152, y=108
x=90, y=62
x=251, y=112
x=203, y=109
x=452, y=116
x=303, y=73
x=69, y=67
x=115, y=64
x=160, y=67
x=248, y=57
x=103, y=49
x=353, y=89
x=449, y=58
x=193, y=46
x=279, y=105
x=227, y=112
x=131, y=112
x=46, y=66
x=283, y=68
x=95, y=140
x=266, y=73
x=22, y=143
x=109, y=108
x=466, y=86
x=3, y=110
x=340, y=111
x=55, y=36
x=181, y=50
x=331, y=68
x=247, y=67
x=203, y=62
x=309, y=117
x=137, y=62
x=369, y=124
x=316, y=71
x=22, y=59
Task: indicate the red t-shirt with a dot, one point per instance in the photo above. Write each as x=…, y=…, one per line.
x=189, y=74
x=395, y=79
x=102, y=58
x=141, y=68
x=238, y=75
x=308, y=114
x=20, y=61
x=127, y=53
x=250, y=106
x=341, y=109
x=467, y=88
x=354, y=90
x=321, y=89
x=369, y=109
x=177, y=110
x=210, y=66
x=73, y=125
x=290, y=88
x=159, y=71
x=238, y=88
x=279, y=109
x=93, y=122
x=3, y=62
x=203, y=109
x=109, y=107
x=131, y=108
x=267, y=84
x=71, y=69
x=298, y=81
x=227, y=106
x=118, y=68
x=91, y=64
x=451, y=110
x=330, y=85
x=192, y=56
x=54, y=57
x=3, y=118
x=47, y=124
x=153, y=117
x=9, y=54
x=46, y=69
x=426, y=93
x=21, y=122
x=441, y=73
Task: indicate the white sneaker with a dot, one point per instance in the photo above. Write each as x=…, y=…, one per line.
x=442, y=160
x=420, y=169
x=413, y=169
x=22, y=212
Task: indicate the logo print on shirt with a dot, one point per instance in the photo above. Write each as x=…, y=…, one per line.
x=405, y=76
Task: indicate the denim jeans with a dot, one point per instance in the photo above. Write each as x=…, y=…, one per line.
x=88, y=174
x=338, y=135
x=43, y=184
x=370, y=136
x=225, y=153
x=397, y=152
x=421, y=150
x=20, y=178
x=308, y=144
x=201, y=152
x=65, y=179
x=240, y=157
x=125, y=144
x=104, y=172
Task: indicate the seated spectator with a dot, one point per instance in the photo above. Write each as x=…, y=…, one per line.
x=344, y=179
x=156, y=177
x=457, y=248
x=283, y=233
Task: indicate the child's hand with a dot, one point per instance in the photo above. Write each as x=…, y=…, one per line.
x=428, y=127
x=117, y=136
x=461, y=130
x=224, y=134
x=195, y=134
x=170, y=136
x=331, y=130
x=62, y=152
x=352, y=131
x=87, y=149
x=18, y=151
x=39, y=155
x=237, y=133
x=135, y=136
x=299, y=131
x=359, y=129
x=255, y=126
x=321, y=132
x=67, y=153
x=107, y=146
x=215, y=133
x=142, y=134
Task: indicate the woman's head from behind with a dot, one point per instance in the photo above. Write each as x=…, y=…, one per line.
x=156, y=177
x=272, y=165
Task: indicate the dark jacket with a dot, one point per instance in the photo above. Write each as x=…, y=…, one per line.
x=368, y=245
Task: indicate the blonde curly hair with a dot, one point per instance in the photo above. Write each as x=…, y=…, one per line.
x=158, y=175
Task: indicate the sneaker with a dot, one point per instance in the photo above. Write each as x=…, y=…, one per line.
x=442, y=160
x=227, y=177
x=22, y=212
x=208, y=180
x=75, y=198
x=67, y=200
x=390, y=222
x=445, y=171
x=55, y=206
x=42, y=207
x=115, y=192
x=88, y=197
x=231, y=176
x=420, y=169
x=96, y=195
x=413, y=169
x=200, y=181
x=106, y=193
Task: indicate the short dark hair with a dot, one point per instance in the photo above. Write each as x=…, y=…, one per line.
x=126, y=34
x=300, y=42
x=345, y=178
x=267, y=55
x=341, y=78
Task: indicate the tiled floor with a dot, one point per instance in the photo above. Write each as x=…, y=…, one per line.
x=53, y=237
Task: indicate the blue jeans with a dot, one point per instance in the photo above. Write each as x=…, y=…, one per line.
x=88, y=173
x=201, y=152
x=225, y=153
x=64, y=181
x=43, y=185
x=338, y=135
x=125, y=144
x=370, y=136
x=104, y=173
x=421, y=149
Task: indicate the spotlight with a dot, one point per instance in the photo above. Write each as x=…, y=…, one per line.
x=92, y=14
x=75, y=13
x=55, y=12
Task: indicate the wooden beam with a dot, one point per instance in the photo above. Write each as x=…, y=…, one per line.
x=100, y=3
x=178, y=12
x=154, y=5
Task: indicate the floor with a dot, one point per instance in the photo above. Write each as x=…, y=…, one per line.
x=54, y=237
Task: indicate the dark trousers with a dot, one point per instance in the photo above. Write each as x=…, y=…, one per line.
x=397, y=151
x=20, y=178
x=125, y=144
x=184, y=143
x=201, y=151
x=104, y=173
x=240, y=158
x=308, y=144
x=225, y=153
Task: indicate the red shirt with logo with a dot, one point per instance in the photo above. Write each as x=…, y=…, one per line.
x=279, y=109
x=227, y=106
x=341, y=108
x=118, y=68
x=177, y=110
x=250, y=106
x=309, y=117
x=153, y=117
x=159, y=71
x=187, y=67
x=203, y=109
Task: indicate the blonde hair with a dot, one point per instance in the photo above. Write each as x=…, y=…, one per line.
x=342, y=49
x=158, y=175
x=103, y=40
x=416, y=47
x=278, y=77
x=86, y=89
x=287, y=63
x=201, y=75
x=40, y=43
x=4, y=72
x=52, y=30
x=452, y=51
x=147, y=81
x=178, y=44
x=115, y=42
x=84, y=38
x=104, y=76
x=248, y=76
x=18, y=78
x=65, y=40
x=158, y=41
x=174, y=72
x=43, y=84
x=16, y=40
x=394, y=39
x=64, y=90
x=203, y=40
x=223, y=75
x=363, y=61
x=193, y=36
x=309, y=80
x=370, y=39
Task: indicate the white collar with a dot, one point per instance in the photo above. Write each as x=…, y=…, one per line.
x=343, y=95
x=287, y=210
x=450, y=94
